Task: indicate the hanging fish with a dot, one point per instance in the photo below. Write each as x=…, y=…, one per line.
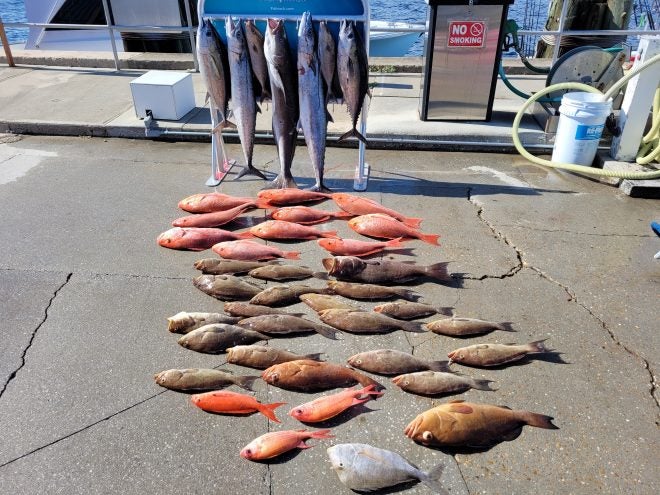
x=255, y=42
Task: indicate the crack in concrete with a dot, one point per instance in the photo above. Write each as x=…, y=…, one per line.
x=513, y=270
x=94, y=274
x=559, y=231
x=69, y=435
x=458, y=465
x=33, y=336
x=613, y=337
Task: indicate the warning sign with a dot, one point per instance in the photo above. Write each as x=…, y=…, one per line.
x=469, y=34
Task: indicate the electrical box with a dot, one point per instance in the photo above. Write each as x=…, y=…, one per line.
x=168, y=95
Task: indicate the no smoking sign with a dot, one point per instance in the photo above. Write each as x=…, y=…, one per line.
x=471, y=34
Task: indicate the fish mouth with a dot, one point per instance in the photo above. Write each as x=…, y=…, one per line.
x=275, y=25
x=412, y=428
x=396, y=380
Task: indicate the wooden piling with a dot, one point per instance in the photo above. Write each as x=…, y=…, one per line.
x=5, y=44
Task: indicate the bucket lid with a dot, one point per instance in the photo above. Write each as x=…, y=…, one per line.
x=586, y=101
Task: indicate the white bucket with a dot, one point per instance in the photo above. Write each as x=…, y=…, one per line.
x=581, y=121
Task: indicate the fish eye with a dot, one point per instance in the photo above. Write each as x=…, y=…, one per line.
x=299, y=411
x=358, y=361
x=248, y=451
x=427, y=435
x=461, y=356
x=406, y=382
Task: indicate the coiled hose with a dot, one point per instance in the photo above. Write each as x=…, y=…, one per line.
x=653, y=137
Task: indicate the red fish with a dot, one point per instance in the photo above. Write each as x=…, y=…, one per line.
x=247, y=250
x=384, y=226
x=306, y=215
x=358, y=205
x=290, y=196
x=225, y=402
x=279, y=229
x=332, y=405
x=276, y=443
x=351, y=247
x=214, y=219
x=209, y=202
x=197, y=239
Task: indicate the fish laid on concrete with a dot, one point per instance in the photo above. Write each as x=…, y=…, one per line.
x=386, y=227
x=306, y=375
x=438, y=382
x=184, y=322
x=255, y=41
x=197, y=239
x=243, y=104
x=247, y=250
x=364, y=468
x=246, y=310
x=284, y=94
x=406, y=310
x=290, y=196
x=370, y=292
x=262, y=357
x=281, y=295
x=467, y=424
x=215, y=266
x=213, y=219
x=286, y=324
x=226, y=287
x=495, y=354
x=329, y=406
x=279, y=229
x=359, y=205
x=353, y=72
x=382, y=271
x=327, y=52
x=202, y=379
x=218, y=337
x=319, y=302
x=352, y=247
x=312, y=99
x=214, y=69
x=226, y=402
x=277, y=443
x=353, y=321
x=306, y=215
x=393, y=362
x=284, y=272
x=461, y=327
x=210, y=202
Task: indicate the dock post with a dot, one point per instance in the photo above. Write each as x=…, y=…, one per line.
x=5, y=45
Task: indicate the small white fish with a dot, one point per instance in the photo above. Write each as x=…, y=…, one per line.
x=366, y=468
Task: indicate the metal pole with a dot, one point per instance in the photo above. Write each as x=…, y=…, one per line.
x=5, y=45
x=190, y=33
x=106, y=10
x=562, y=21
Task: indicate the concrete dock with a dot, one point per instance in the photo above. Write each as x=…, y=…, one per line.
x=85, y=293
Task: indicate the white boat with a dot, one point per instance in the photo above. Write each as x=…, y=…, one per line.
x=386, y=39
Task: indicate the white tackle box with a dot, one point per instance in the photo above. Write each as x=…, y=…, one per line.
x=169, y=95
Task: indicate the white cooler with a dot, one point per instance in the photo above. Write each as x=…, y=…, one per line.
x=168, y=95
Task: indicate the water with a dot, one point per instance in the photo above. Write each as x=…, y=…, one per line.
x=14, y=11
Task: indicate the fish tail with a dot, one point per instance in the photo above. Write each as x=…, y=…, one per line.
x=395, y=242
x=321, y=434
x=268, y=410
x=369, y=390
x=245, y=235
x=537, y=346
x=246, y=382
x=430, y=238
x=320, y=275
x=353, y=133
x=406, y=294
x=432, y=479
x=412, y=222
x=411, y=326
x=291, y=255
x=438, y=270
x=330, y=233
x=173, y=324
x=327, y=332
x=439, y=366
x=538, y=420
x=480, y=384
x=316, y=356
x=365, y=381
x=263, y=204
x=506, y=326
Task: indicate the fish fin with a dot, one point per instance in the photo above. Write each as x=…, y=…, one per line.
x=353, y=133
x=328, y=116
x=461, y=408
x=291, y=255
x=438, y=270
x=282, y=182
x=315, y=356
x=480, y=384
x=245, y=235
x=432, y=479
x=321, y=434
x=406, y=294
x=395, y=242
x=537, y=420
x=327, y=332
x=412, y=222
x=411, y=326
x=537, y=346
x=357, y=401
x=268, y=410
x=246, y=382
x=303, y=445
x=505, y=326
x=342, y=214
x=330, y=233
x=263, y=204
x=320, y=275
x=430, y=238
x=249, y=170
x=439, y=366
x=512, y=435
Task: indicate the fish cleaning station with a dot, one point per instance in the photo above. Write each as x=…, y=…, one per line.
x=432, y=274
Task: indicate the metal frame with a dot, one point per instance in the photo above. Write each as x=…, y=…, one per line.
x=362, y=169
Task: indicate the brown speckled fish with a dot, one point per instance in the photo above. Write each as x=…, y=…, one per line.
x=313, y=376
x=436, y=382
x=262, y=357
x=246, y=310
x=383, y=271
x=286, y=324
x=405, y=310
x=281, y=295
x=216, y=266
x=226, y=287
x=393, y=362
x=463, y=327
x=319, y=302
x=217, y=337
x=460, y=423
x=370, y=292
x=365, y=321
x=284, y=272
x=184, y=322
x=202, y=379
x=495, y=354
